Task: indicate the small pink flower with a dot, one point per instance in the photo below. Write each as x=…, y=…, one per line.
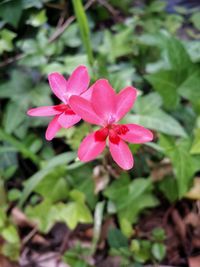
x=64, y=116
x=106, y=108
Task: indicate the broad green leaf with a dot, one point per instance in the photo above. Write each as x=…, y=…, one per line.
x=57, y=184
x=158, y=251
x=166, y=83
x=195, y=149
x=189, y=89
x=158, y=120
x=158, y=234
x=131, y=198
x=184, y=164
x=32, y=3
x=117, y=188
x=73, y=213
x=195, y=18
x=116, y=239
x=11, y=250
x=13, y=117
x=19, y=146
x=81, y=179
x=193, y=49
x=2, y=218
x=71, y=62
x=156, y=6
x=10, y=234
x=118, y=45
x=44, y=215
x=149, y=114
x=6, y=40
x=37, y=19
x=70, y=36
x=33, y=181
x=11, y=11
x=168, y=186
x=84, y=28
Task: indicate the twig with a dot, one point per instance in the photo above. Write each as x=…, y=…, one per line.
x=61, y=29
x=109, y=7
x=11, y=60
x=29, y=236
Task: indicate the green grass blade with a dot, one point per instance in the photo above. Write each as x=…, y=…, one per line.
x=84, y=28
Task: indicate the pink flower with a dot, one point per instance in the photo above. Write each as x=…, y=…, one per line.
x=106, y=108
x=64, y=116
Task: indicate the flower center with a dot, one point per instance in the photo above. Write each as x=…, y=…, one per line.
x=113, y=131
x=64, y=108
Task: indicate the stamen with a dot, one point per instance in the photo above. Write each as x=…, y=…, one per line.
x=121, y=129
x=64, y=108
x=101, y=134
x=113, y=137
x=61, y=107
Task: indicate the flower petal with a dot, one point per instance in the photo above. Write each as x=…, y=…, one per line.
x=58, y=85
x=121, y=154
x=137, y=134
x=103, y=100
x=84, y=109
x=68, y=120
x=43, y=111
x=124, y=101
x=88, y=93
x=78, y=82
x=52, y=128
x=90, y=148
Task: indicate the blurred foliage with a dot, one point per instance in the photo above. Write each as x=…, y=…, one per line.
x=138, y=44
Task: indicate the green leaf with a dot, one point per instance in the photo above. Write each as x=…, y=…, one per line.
x=11, y=11
x=142, y=250
x=11, y=251
x=13, y=117
x=10, y=234
x=33, y=181
x=158, y=120
x=176, y=54
x=149, y=114
x=80, y=178
x=6, y=40
x=158, y=234
x=37, y=19
x=2, y=217
x=184, y=164
x=189, y=89
x=73, y=213
x=116, y=239
x=84, y=28
x=43, y=214
x=195, y=149
x=131, y=198
x=71, y=62
x=118, y=45
x=156, y=6
x=58, y=185
x=195, y=19
x=158, y=251
x=193, y=49
x=166, y=83
x=169, y=188
x=19, y=146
